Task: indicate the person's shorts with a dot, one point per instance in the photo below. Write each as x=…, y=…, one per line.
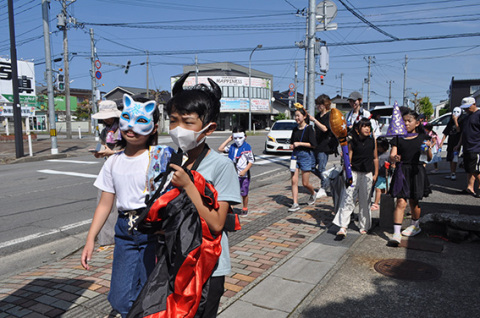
x=449, y=156
x=381, y=183
x=305, y=160
x=244, y=185
x=471, y=162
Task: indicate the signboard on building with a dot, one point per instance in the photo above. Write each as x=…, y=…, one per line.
x=235, y=92
x=7, y=111
x=26, y=81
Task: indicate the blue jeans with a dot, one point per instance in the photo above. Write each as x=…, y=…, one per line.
x=321, y=159
x=133, y=261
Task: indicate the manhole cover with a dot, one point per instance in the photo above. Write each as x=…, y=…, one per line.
x=407, y=270
x=297, y=236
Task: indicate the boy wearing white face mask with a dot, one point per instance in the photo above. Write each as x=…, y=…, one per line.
x=192, y=114
x=240, y=152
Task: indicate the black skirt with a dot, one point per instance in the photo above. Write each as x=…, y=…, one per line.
x=410, y=181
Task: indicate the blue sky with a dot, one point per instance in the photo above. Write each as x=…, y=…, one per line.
x=218, y=31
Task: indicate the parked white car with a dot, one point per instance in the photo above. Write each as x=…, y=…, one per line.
x=278, y=138
x=439, y=125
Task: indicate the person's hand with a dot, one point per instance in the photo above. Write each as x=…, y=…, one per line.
x=87, y=254
x=242, y=173
x=397, y=158
x=292, y=146
x=428, y=143
x=180, y=178
x=296, y=144
x=456, y=148
x=230, y=138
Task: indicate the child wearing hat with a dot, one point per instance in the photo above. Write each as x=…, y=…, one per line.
x=110, y=134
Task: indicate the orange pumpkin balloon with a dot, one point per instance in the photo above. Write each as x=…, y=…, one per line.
x=338, y=125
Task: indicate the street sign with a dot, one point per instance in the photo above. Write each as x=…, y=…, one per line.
x=326, y=12
x=98, y=74
x=291, y=86
x=98, y=64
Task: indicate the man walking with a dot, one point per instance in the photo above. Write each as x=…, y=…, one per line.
x=470, y=139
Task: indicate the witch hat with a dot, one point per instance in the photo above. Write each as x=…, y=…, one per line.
x=397, y=125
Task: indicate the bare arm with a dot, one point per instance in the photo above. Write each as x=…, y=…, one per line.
x=221, y=148
x=99, y=218
x=244, y=171
x=375, y=162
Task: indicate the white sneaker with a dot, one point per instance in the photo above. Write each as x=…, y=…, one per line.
x=294, y=207
x=312, y=199
x=412, y=230
x=396, y=239
x=321, y=193
x=453, y=176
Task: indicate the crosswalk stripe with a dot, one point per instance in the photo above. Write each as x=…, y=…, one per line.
x=74, y=161
x=66, y=173
x=38, y=235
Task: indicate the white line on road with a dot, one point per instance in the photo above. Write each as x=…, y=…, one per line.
x=261, y=174
x=75, y=174
x=38, y=235
x=74, y=161
x=267, y=161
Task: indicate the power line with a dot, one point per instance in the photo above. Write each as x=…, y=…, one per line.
x=367, y=22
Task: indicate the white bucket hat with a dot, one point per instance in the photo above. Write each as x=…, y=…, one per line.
x=107, y=109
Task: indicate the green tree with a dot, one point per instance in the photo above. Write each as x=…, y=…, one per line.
x=425, y=106
x=83, y=110
x=280, y=116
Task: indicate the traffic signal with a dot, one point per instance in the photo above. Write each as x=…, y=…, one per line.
x=127, y=67
x=321, y=79
x=60, y=82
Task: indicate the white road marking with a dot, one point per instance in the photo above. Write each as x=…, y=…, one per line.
x=75, y=174
x=268, y=160
x=266, y=172
x=41, y=234
x=74, y=161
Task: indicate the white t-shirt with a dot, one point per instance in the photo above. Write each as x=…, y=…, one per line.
x=126, y=177
x=220, y=171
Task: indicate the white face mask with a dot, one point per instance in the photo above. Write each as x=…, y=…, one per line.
x=186, y=139
x=239, y=138
x=457, y=111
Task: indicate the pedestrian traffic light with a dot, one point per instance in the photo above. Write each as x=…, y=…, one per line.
x=127, y=67
x=321, y=79
x=60, y=82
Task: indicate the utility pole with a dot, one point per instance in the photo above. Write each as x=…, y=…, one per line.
x=48, y=78
x=363, y=86
x=148, y=93
x=17, y=111
x=415, y=106
x=94, y=122
x=311, y=56
x=405, y=81
x=370, y=61
x=296, y=80
x=390, y=92
x=341, y=84
x=68, y=119
x=196, y=69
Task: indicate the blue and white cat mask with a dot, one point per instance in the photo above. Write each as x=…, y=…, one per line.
x=136, y=116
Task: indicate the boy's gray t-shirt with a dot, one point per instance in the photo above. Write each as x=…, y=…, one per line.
x=220, y=171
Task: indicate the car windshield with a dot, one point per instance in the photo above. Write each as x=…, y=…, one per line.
x=284, y=126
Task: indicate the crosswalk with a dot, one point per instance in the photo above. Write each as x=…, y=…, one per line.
x=260, y=160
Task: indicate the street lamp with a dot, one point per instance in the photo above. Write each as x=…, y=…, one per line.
x=250, y=88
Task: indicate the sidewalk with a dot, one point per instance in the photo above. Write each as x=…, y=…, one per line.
x=288, y=265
